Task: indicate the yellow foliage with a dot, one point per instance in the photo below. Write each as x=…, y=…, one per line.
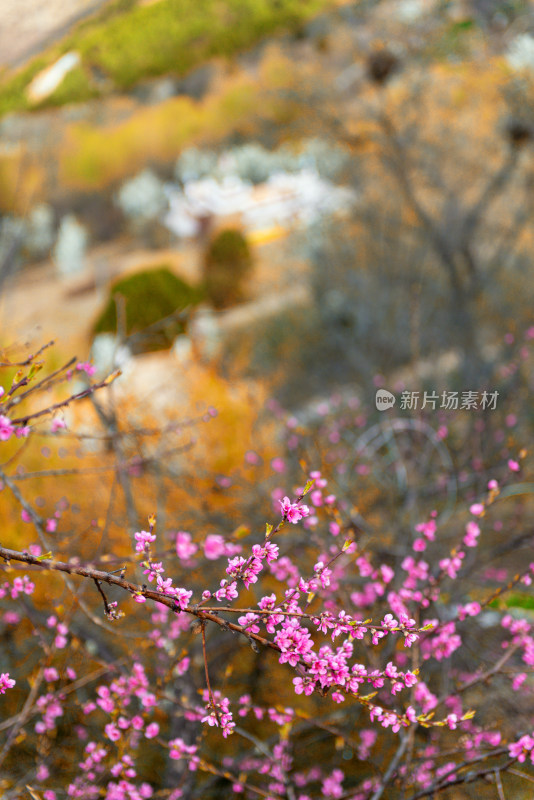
x=227, y=437
x=92, y=158
x=21, y=180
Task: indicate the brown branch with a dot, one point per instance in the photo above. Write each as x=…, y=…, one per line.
x=390, y=772
x=86, y=571
x=63, y=403
x=30, y=358
x=22, y=716
x=444, y=782
x=42, y=384
x=205, y=767
x=208, y=684
x=73, y=687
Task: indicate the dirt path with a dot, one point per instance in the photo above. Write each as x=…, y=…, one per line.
x=28, y=26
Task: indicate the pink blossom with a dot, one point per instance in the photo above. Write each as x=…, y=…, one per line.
x=317, y=498
x=519, y=680
x=87, y=367
x=472, y=531
x=57, y=424
x=6, y=682
x=228, y=591
x=477, y=509
x=332, y=785
x=452, y=565
x=428, y=529
x=6, y=428
x=521, y=748
x=112, y=732
x=512, y=465
x=293, y=512
x=419, y=545
x=214, y=546
x=183, y=596
x=179, y=749
x=143, y=539
x=469, y=610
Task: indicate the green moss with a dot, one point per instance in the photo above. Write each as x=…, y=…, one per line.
x=13, y=92
x=515, y=600
x=129, y=42
x=149, y=296
x=227, y=263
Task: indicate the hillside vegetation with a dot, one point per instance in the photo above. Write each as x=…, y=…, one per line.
x=129, y=41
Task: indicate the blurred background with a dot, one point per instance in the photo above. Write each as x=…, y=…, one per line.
x=261, y=211
x=301, y=193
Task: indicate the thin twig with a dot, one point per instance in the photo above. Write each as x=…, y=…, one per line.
x=498, y=783
x=208, y=684
x=392, y=768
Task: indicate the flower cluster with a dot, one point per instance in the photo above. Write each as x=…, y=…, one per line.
x=6, y=682
x=155, y=571
x=219, y=714
x=293, y=512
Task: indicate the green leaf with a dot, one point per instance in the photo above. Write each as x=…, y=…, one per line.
x=308, y=486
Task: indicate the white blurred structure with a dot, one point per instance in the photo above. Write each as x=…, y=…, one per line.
x=410, y=10
x=285, y=200
x=520, y=53
x=108, y=355
x=71, y=246
x=143, y=197
x=50, y=78
x=41, y=234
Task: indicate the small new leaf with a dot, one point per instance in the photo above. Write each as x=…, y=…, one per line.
x=45, y=556
x=241, y=532
x=34, y=369
x=284, y=731
x=468, y=715
x=112, y=377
